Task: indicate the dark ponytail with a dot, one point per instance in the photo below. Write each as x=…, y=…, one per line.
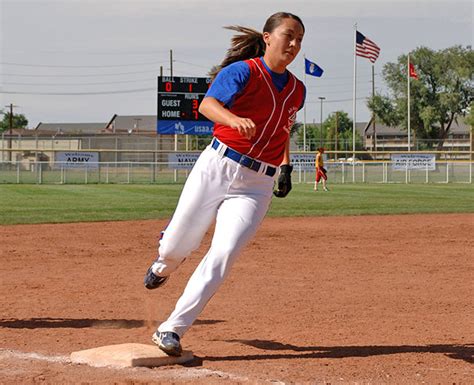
x=249, y=43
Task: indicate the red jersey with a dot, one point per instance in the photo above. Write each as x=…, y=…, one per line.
x=273, y=113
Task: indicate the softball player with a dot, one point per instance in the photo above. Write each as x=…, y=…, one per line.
x=253, y=102
x=320, y=170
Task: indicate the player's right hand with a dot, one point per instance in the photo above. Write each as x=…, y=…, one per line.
x=245, y=126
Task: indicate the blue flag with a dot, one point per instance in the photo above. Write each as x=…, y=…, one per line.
x=312, y=68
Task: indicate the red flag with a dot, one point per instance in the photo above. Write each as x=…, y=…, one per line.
x=413, y=73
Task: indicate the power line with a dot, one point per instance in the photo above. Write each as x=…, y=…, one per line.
x=84, y=75
x=136, y=73
x=79, y=84
x=348, y=77
x=337, y=92
x=331, y=85
x=81, y=66
x=193, y=64
x=80, y=76
x=338, y=85
x=125, y=51
x=78, y=93
x=119, y=91
x=334, y=101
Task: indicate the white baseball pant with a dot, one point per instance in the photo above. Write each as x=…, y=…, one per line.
x=237, y=198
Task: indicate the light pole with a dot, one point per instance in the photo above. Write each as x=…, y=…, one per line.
x=321, y=122
x=135, y=126
x=10, y=131
x=137, y=130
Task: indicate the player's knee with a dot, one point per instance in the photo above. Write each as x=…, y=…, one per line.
x=176, y=251
x=227, y=254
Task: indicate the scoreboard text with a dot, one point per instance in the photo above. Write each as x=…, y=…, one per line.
x=178, y=105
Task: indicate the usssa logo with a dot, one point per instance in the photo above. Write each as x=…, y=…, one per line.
x=179, y=128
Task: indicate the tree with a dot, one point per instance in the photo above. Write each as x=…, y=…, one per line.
x=470, y=116
x=441, y=94
x=327, y=136
x=18, y=121
x=296, y=127
x=470, y=122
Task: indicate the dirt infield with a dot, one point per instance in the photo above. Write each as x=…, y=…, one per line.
x=339, y=300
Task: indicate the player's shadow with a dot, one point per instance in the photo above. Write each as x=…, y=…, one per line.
x=463, y=352
x=80, y=323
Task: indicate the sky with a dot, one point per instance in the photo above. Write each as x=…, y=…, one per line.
x=82, y=61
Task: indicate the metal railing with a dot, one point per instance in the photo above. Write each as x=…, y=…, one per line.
x=143, y=148
x=166, y=172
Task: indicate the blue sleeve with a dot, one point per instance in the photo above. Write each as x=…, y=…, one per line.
x=229, y=82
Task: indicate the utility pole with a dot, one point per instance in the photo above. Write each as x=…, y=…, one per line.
x=10, y=131
x=374, y=135
x=136, y=126
x=304, y=113
x=175, y=135
x=471, y=142
x=321, y=125
x=408, y=97
x=335, y=134
x=171, y=75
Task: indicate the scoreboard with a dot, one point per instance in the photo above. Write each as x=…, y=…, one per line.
x=178, y=106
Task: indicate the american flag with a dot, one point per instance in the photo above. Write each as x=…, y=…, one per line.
x=366, y=47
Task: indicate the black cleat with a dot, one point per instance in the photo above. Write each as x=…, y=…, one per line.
x=168, y=342
x=152, y=281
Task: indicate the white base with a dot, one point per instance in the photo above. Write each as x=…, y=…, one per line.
x=128, y=355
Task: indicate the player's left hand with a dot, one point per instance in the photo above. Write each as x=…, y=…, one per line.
x=284, y=181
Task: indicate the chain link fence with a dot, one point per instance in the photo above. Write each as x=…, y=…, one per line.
x=169, y=172
x=148, y=158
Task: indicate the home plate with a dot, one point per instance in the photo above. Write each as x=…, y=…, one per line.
x=128, y=355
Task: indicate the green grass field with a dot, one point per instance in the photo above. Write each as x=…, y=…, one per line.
x=22, y=204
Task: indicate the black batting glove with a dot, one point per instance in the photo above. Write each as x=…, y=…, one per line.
x=284, y=181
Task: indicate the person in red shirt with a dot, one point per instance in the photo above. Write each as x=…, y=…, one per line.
x=253, y=101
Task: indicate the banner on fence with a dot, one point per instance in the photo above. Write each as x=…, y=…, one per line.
x=77, y=159
x=186, y=160
x=413, y=162
x=182, y=160
x=305, y=162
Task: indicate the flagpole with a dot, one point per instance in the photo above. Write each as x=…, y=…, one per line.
x=408, y=98
x=354, y=103
x=304, y=108
x=374, y=134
